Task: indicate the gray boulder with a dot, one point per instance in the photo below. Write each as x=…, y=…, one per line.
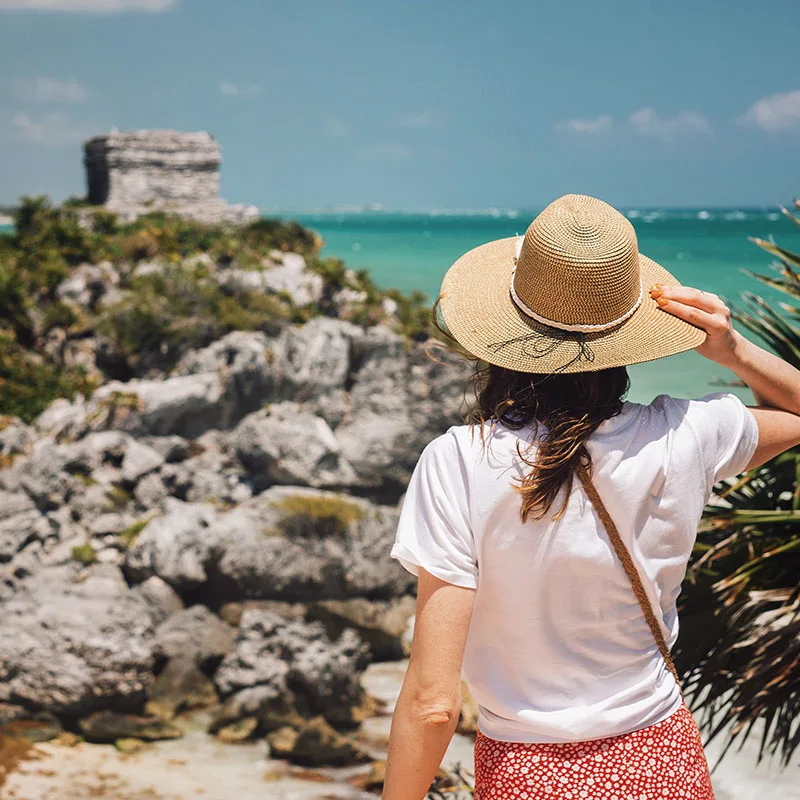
x=316, y=358
x=382, y=624
x=293, y=663
x=399, y=401
x=15, y=438
x=20, y=524
x=288, y=445
x=176, y=547
x=195, y=633
x=161, y=599
x=74, y=642
x=244, y=362
x=139, y=461
x=186, y=405
x=297, y=544
x=288, y=274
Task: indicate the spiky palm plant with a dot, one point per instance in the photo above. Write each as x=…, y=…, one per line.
x=739, y=649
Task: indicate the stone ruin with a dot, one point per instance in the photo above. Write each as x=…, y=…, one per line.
x=136, y=172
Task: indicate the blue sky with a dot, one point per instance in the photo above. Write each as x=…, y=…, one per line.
x=417, y=103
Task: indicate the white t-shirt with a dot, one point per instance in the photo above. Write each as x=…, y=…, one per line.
x=558, y=649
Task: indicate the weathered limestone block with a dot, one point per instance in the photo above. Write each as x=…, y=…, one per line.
x=135, y=172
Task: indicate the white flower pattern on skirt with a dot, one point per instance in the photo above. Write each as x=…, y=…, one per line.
x=664, y=761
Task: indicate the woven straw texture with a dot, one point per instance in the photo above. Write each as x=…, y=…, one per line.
x=579, y=264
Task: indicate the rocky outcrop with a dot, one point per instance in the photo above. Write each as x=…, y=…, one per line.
x=137, y=172
x=298, y=544
x=282, y=671
x=217, y=535
x=74, y=642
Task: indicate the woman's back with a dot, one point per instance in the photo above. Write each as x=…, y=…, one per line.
x=558, y=649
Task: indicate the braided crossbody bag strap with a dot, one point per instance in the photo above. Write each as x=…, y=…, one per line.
x=630, y=568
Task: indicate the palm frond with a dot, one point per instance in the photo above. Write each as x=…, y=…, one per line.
x=739, y=649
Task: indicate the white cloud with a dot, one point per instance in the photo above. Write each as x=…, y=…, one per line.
x=646, y=122
x=50, y=130
x=587, y=127
x=87, y=6
x=774, y=114
x=336, y=128
x=47, y=90
x=234, y=90
x=420, y=119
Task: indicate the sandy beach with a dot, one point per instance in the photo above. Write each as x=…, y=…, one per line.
x=199, y=767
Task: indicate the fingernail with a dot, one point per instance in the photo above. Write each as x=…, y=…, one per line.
x=655, y=291
x=662, y=301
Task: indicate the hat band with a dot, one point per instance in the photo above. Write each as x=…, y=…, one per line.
x=565, y=326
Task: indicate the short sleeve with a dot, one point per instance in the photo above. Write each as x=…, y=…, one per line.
x=727, y=432
x=434, y=530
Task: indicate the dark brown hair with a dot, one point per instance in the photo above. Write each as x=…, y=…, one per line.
x=564, y=409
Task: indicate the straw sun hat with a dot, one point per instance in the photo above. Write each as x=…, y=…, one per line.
x=569, y=296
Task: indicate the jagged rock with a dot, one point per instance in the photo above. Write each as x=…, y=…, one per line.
x=399, y=401
x=194, y=633
x=186, y=405
x=244, y=361
x=294, y=661
x=272, y=705
x=381, y=624
x=289, y=275
x=15, y=438
x=315, y=358
x=86, y=283
x=232, y=612
x=151, y=493
x=296, y=544
x=315, y=744
x=173, y=448
x=286, y=444
x=74, y=641
x=161, y=599
x=239, y=731
x=20, y=523
x=63, y=417
x=138, y=172
x=180, y=685
x=25, y=723
x=212, y=476
x=176, y=547
x=286, y=273
x=139, y=461
x=107, y=726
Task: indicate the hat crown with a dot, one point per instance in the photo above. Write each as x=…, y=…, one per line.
x=579, y=264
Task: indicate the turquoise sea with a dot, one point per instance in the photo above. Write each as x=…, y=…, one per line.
x=705, y=248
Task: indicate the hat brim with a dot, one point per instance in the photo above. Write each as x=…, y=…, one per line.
x=475, y=302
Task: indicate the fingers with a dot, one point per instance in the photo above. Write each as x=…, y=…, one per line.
x=689, y=296
x=703, y=309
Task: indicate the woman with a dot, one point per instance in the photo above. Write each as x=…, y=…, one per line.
x=551, y=535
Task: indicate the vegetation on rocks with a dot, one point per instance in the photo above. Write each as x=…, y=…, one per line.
x=160, y=294
x=740, y=643
x=314, y=515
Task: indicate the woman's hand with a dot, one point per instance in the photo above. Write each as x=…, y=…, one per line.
x=706, y=311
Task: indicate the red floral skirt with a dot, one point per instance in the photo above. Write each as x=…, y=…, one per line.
x=664, y=761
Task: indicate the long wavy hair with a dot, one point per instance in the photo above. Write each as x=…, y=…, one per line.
x=564, y=410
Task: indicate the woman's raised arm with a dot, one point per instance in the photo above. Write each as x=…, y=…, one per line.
x=774, y=383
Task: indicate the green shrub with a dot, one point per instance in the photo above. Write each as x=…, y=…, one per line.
x=130, y=534
x=84, y=554
x=29, y=382
x=313, y=515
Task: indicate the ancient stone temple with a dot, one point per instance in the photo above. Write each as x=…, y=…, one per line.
x=134, y=172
